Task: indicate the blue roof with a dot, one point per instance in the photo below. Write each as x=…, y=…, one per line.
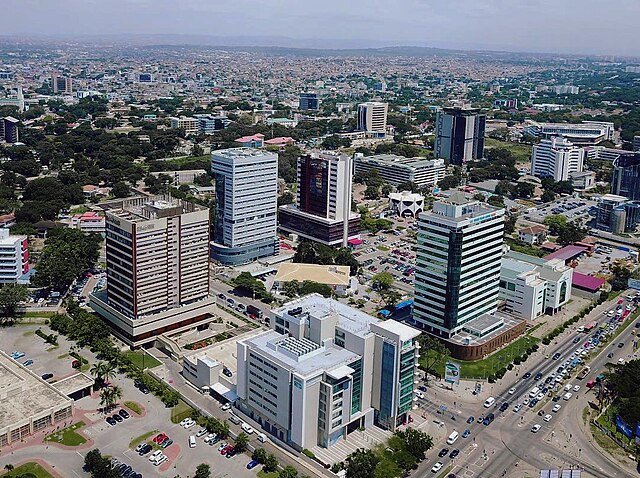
x=404, y=303
x=384, y=312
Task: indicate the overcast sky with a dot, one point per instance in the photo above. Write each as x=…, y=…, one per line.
x=574, y=26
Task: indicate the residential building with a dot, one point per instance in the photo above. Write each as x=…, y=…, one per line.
x=157, y=254
x=180, y=177
x=531, y=286
x=322, y=212
x=533, y=235
x=280, y=141
x=145, y=77
x=457, y=264
x=605, y=154
x=460, y=135
x=556, y=158
x=325, y=371
x=252, y=141
x=188, y=124
x=581, y=134
x=14, y=258
x=396, y=169
x=308, y=101
x=14, y=98
x=9, y=129
x=372, y=118
x=406, y=203
x=28, y=404
x=625, y=178
x=337, y=277
x=246, y=208
x=62, y=85
x=566, y=90
x=511, y=103
x=89, y=222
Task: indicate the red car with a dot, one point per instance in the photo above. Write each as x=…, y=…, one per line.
x=160, y=438
x=226, y=449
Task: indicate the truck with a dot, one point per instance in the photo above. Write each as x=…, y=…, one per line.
x=584, y=372
x=254, y=311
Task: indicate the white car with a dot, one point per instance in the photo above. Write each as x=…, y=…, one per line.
x=185, y=421
x=540, y=396
x=436, y=468
x=512, y=391
x=568, y=387
x=525, y=401
x=161, y=459
x=547, y=418
x=248, y=429
x=225, y=407
x=202, y=432
x=576, y=388
x=155, y=455
x=222, y=445
x=556, y=408
x=209, y=437
x=517, y=407
x=419, y=394
x=536, y=428
x=190, y=424
x=567, y=396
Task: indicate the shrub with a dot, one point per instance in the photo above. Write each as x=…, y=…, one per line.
x=309, y=453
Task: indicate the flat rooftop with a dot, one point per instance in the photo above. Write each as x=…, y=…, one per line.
x=401, y=161
x=141, y=208
x=240, y=153
x=482, y=323
x=74, y=383
x=24, y=395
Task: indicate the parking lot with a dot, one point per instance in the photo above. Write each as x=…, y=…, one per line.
x=601, y=260
x=569, y=207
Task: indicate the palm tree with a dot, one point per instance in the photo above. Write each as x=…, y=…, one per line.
x=116, y=394
x=110, y=396
x=108, y=372
x=98, y=371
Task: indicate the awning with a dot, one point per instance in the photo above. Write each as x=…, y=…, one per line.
x=224, y=392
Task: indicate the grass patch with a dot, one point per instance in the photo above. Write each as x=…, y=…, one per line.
x=63, y=356
x=68, y=436
x=445, y=472
x=28, y=468
x=31, y=314
x=180, y=412
x=523, y=248
x=613, y=294
x=604, y=441
x=522, y=152
x=264, y=474
x=134, y=407
x=383, y=248
x=144, y=437
x=537, y=326
x=136, y=358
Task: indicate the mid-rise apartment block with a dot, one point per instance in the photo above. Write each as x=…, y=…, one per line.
x=326, y=370
x=556, y=158
x=617, y=214
x=372, y=118
x=396, y=169
x=322, y=212
x=14, y=257
x=460, y=135
x=246, y=208
x=157, y=252
x=9, y=129
x=62, y=85
x=188, y=124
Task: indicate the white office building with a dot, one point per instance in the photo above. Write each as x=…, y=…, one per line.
x=457, y=264
x=556, y=158
x=532, y=287
x=246, y=205
x=406, y=203
x=325, y=371
x=157, y=252
x=372, y=117
x=14, y=258
x=396, y=169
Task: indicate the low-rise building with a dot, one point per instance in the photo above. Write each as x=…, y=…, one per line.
x=533, y=234
x=253, y=141
x=406, y=203
x=188, y=124
x=583, y=180
x=396, y=169
x=336, y=277
x=89, y=222
x=325, y=371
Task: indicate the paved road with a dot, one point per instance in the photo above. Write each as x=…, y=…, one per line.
x=514, y=436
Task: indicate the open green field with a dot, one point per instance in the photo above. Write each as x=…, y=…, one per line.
x=68, y=436
x=180, y=412
x=522, y=152
x=136, y=357
x=28, y=468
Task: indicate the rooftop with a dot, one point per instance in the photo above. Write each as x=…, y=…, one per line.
x=401, y=161
x=323, y=274
x=566, y=253
x=140, y=209
x=590, y=283
x=240, y=153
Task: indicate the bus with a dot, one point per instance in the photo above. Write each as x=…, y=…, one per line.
x=584, y=372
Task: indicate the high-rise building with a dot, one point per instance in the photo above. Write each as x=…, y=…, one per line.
x=458, y=264
x=61, y=84
x=308, y=101
x=636, y=143
x=460, y=135
x=325, y=371
x=209, y=124
x=372, y=118
x=246, y=208
x=322, y=212
x=9, y=129
x=396, y=169
x=625, y=179
x=14, y=257
x=157, y=251
x=556, y=158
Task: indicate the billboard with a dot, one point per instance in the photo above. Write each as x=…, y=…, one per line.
x=622, y=427
x=452, y=372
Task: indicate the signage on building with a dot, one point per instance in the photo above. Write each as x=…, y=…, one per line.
x=452, y=372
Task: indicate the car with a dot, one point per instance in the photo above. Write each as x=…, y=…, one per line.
x=526, y=401
x=225, y=407
x=167, y=443
x=419, y=394
x=466, y=433
x=192, y=441
x=540, y=396
x=620, y=345
x=17, y=355
x=47, y=376
x=201, y=432
x=226, y=449
x=159, y=461
x=567, y=396
x=526, y=376
x=576, y=340
x=26, y=363
x=533, y=403
x=437, y=467
x=185, y=421
x=145, y=449
x=117, y=418
x=610, y=355
x=155, y=455
x=227, y=372
x=455, y=452
x=190, y=424
x=248, y=429
x=471, y=420
x=547, y=418
x=512, y=390
x=538, y=376
x=536, y=428
x=504, y=406
x=517, y=407
x=230, y=452
x=252, y=464
x=488, y=419
x=480, y=419
x=75, y=364
x=576, y=388
x=556, y=408
x=443, y=452
x=209, y=437
x=123, y=413
x=159, y=438
x=111, y=421
x=422, y=388
x=139, y=447
x=540, y=412
x=556, y=398
x=556, y=355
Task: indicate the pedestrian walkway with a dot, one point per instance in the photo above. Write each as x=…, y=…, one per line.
x=370, y=438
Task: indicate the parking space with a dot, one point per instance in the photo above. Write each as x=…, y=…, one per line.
x=601, y=260
x=569, y=207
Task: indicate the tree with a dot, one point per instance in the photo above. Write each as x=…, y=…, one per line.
x=286, y=198
x=510, y=224
x=505, y=188
x=270, y=463
x=242, y=440
x=571, y=233
x=382, y=281
x=415, y=442
x=109, y=396
x=390, y=297
x=288, y=472
x=555, y=223
x=170, y=398
x=548, y=196
x=432, y=350
x=203, y=471
x=92, y=459
x=408, y=186
x=496, y=201
x=311, y=287
x=620, y=275
x=11, y=296
x=372, y=192
x=361, y=464
x=449, y=182
x=120, y=189
x=524, y=190
x=260, y=455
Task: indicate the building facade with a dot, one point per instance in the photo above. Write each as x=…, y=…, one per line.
x=245, y=222
x=372, y=118
x=625, y=178
x=406, y=203
x=326, y=370
x=9, y=130
x=157, y=252
x=14, y=257
x=457, y=264
x=188, y=124
x=396, y=169
x=556, y=158
x=308, y=101
x=582, y=134
x=460, y=135
x=61, y=85
x=322, y=212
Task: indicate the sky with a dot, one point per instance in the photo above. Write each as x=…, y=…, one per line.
x=556, y=26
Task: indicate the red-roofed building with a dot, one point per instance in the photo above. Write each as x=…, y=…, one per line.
x=567, y=253
x=280, y=142
x=585, y=285
x=89, y=222
x=533, y=235
x=253, y=141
